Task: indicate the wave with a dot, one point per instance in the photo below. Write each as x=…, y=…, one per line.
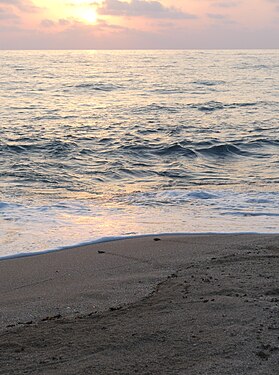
x=208, y=83
x=79, y=147
x=169, y=197
x=157, y=108
x=18, y=149
x=54, y=117
x=176, y=149
x=223, y=150
x=208, y=106
x=55, y=147
x=225, y=201
x=98, y=86
x=261, y=142
x=255, y=67
x=251, y=214
x=168, y=91
x=212, y=106
x=3, y=205
x=159, y=150
x=212, y=149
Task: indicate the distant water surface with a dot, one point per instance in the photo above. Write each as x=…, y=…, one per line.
x=109, y=143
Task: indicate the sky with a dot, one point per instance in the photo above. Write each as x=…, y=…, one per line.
x=139, y=24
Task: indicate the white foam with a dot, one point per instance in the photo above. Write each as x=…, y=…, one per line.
x=27, y=229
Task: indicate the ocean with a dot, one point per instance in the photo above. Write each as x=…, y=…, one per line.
x=98, y=145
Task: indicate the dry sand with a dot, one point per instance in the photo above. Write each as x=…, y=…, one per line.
x=199, y=304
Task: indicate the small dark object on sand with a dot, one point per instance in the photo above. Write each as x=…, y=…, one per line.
x=101, y=252
x=54, y=317
x=157, y=239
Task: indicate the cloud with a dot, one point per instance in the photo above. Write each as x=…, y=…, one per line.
x=11, y=2
x=223, y=3
x=276, y=2
x=13, y=12
x=228, y=4
x=22, y=5
x=225, y=25
x=216, y=16
x=105, y=36
x=222, y=18
x=6, y=14
x=63, y=22
x=47, y=23
x=141, y=8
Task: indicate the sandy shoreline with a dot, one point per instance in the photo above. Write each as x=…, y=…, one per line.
x=197, y=304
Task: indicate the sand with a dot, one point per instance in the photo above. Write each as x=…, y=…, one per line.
x=199, y=304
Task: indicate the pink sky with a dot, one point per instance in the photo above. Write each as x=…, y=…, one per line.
x=138, y=24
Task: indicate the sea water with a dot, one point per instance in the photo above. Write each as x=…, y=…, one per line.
x=100, y=144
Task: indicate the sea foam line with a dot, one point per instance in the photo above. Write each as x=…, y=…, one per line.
x=119, y=238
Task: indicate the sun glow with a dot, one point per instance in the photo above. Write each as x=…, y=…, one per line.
x=87, y=15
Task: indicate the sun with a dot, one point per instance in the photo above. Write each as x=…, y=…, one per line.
x=87, y=15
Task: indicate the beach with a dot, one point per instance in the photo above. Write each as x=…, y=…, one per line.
x=170, y=304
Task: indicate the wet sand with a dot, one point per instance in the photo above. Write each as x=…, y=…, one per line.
x=197, y=304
